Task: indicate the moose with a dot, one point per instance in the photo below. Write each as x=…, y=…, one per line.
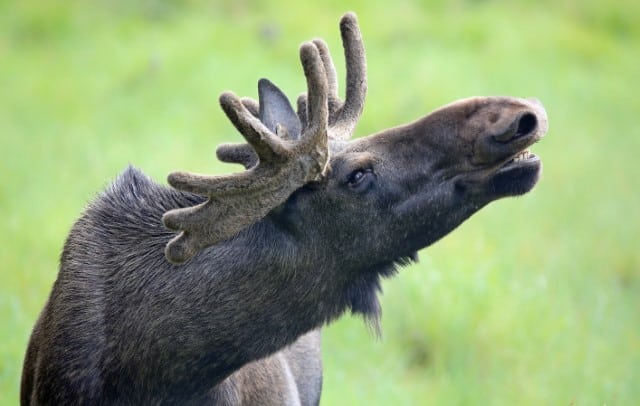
x=214, y=291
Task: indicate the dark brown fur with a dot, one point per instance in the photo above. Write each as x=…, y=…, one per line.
x=237, y=322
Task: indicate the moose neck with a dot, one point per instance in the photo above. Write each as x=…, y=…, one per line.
x=264, y=291
x=182, y=329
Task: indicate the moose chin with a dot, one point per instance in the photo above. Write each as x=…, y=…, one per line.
x=214, y=291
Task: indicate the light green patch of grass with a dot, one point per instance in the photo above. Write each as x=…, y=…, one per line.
x=532, y=301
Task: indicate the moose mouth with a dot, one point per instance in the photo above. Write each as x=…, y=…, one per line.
x=517, y=176
x=522, y=158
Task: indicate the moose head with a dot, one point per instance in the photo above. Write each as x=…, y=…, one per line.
x=371, y=200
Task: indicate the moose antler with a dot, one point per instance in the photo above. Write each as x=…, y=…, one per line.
x=284, y=152
x=343, y=116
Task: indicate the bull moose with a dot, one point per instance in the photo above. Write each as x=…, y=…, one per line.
x=214, y=291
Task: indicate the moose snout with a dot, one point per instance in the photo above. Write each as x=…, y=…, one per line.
x=529, y=121
x=504, y=126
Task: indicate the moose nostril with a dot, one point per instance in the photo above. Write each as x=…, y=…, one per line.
x=526, y=124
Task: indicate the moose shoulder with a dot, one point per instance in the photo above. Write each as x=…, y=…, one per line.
x=228, y=311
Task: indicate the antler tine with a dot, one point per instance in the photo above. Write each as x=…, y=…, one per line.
x=237, y=154
x=241, y=153
x=283, y=165
x=334, y=101
x=343, y=117
x=330, y=70
x=317, y=89
x=355, y=59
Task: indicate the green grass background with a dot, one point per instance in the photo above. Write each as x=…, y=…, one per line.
x=534, y=300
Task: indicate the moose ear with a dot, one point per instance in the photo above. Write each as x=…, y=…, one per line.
x=275, y=109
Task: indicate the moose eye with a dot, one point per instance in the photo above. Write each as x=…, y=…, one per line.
x=358, y=177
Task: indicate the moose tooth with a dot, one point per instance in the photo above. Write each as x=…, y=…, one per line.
x=521, y=156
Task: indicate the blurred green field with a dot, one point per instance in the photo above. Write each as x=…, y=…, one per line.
x=533, y=301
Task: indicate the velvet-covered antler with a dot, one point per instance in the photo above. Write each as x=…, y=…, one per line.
x=284, y=151
x=343, y=116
